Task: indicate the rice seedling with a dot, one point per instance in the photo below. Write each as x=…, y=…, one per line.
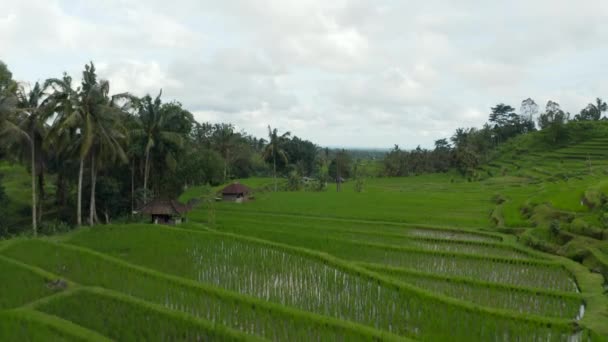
x=523, y=300
x=20, y=286
x=120, y=317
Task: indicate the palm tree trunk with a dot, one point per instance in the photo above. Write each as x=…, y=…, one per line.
x=146, y=171
x=60, y=190
x=226, y=165
x=92, y=208
x=33, y=153
x=225, y=169
x=41, y=196
x=79, y=205
x=337, y=174
x=132, y=187
x=274, y=173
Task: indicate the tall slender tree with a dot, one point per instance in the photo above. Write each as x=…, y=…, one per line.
x=224, y=138
x=26, y=129
x=275, y=149
x=61, y=101
x=69, y=127
x=93, y=118
x=157, y=128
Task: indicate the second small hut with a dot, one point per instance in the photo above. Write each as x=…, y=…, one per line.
x=236, y=192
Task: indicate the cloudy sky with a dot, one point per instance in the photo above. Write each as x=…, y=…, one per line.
x=340, y=73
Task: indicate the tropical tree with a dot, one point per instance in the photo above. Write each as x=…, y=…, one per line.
x=8, y=97
x=224, y=139
x=340, y=167
x=157, y=129
x=62, y=100
x=7, y=84
x=593, y=111
x=25, y=129
x=501, y=114
x=93, y=118
x=70, y=126
x=553, y=122
x=275, y=149
x=108, y=138
x=528, y=109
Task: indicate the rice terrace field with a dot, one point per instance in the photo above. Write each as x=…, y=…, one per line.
x=408, y=259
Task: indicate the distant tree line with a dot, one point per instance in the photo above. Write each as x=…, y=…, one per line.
x=469, y=148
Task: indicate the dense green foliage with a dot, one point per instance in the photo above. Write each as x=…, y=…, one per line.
x=472, y=147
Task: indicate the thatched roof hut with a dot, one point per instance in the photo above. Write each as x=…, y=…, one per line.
x=236, y=192
x=165, y=211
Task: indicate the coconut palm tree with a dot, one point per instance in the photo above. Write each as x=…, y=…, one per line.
x=598, y=108
x=157, y=131
x=224, y=140
x=67, y=130
x=104, y=136
x=8, y=103
x=25, y=129
x=63, y=141
x=91, y=118
x=275, y=149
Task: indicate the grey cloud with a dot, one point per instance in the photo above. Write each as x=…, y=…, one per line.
x=338, y=72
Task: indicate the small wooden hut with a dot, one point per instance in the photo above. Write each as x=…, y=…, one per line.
x=165, y=211
x=236, y=193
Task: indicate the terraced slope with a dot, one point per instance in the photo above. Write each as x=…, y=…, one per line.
x=246, y=280
x=581, y=159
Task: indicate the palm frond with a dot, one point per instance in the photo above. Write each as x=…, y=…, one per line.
x=173, y=138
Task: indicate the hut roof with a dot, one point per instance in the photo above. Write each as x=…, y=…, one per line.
x=235, y=188
x=165, y=207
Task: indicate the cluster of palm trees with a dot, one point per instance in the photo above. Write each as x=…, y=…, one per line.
x=92, y=131
x=86, y=124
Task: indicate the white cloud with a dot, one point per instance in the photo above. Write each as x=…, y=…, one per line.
x=341, y=72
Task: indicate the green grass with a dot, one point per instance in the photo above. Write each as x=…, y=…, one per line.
x=295, y=232
x=30, y=325
x=20, y=286
x=120, y=317
x=523, y=300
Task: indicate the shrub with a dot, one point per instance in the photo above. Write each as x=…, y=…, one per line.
x=554, y=227
x=358, y=185
x=53, y=227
